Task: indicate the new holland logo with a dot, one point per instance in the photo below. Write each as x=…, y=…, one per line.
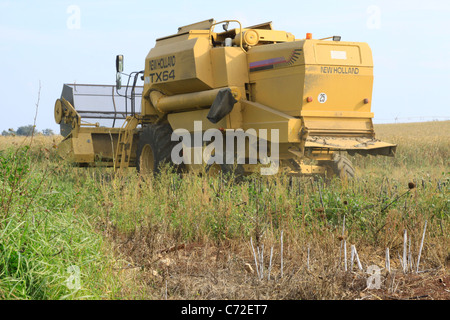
x=275, y=62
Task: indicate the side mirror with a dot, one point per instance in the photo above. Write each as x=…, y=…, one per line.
x=225, y=26
x=119, y=63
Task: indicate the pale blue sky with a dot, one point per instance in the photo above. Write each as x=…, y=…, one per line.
x=410, y=41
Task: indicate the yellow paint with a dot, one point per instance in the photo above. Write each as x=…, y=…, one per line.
x=317, y=93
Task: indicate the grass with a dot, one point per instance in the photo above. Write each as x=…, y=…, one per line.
x=44, y=228
x=189, y=237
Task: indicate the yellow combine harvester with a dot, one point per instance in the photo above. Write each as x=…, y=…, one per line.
x=315, y=93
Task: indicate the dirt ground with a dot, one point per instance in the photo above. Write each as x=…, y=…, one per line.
x=202, y=272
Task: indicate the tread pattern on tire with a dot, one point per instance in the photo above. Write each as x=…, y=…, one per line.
x=340, y=166
x=158, y=136
x=233, y=169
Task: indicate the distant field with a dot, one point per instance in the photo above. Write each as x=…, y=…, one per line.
x=85, y=233
x=424, y=147
x=415, y=130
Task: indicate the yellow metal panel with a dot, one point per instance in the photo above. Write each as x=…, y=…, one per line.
x=339, y=126
x=83, y=148
x=371, y=145
x=294, y=127
x=275, y=36
x=252, y=37
x=280, y=89
x=185, y=120
x=338, y=114
x=274, y=56
x=104, y=130
x=191, y=34
x=65, y=150
x=257, y=116
x=330, y=53
x=234, y=119
x=202, y=25
x=345, y=88
x=229, y=65
x=340, y=53
x=262, y=26
x=285, y=75
x=219, y=66
x=174, y=68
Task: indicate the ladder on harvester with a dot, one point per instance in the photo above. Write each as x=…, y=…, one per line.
x=125, y=143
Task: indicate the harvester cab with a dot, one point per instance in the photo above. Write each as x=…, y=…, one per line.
x=298, y=99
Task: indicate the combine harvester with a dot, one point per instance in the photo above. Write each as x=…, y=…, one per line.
x=314, y=93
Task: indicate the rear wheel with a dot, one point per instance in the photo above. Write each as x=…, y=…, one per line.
x=236, y=170
x=154, y=148
x=228, y=170
x=339, y=166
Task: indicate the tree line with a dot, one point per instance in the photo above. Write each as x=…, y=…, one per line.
x=27, y=131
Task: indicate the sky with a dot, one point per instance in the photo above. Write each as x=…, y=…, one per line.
x=44, y=44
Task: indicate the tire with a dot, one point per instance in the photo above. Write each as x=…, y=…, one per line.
x=154, y=148
x=233, y=169
x=233, y=172
x=339, y=166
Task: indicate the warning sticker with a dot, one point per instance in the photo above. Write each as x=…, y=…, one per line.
x=322, y=98
x=341, y=55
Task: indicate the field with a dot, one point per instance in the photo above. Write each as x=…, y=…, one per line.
x=85, y=233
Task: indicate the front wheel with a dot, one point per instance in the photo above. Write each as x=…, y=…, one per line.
x=154, y=148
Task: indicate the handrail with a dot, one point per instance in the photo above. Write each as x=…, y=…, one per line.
x=224, y=21
x=114, y=104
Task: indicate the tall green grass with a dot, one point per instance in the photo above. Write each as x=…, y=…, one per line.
x=193, y=208
x=45, y=229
